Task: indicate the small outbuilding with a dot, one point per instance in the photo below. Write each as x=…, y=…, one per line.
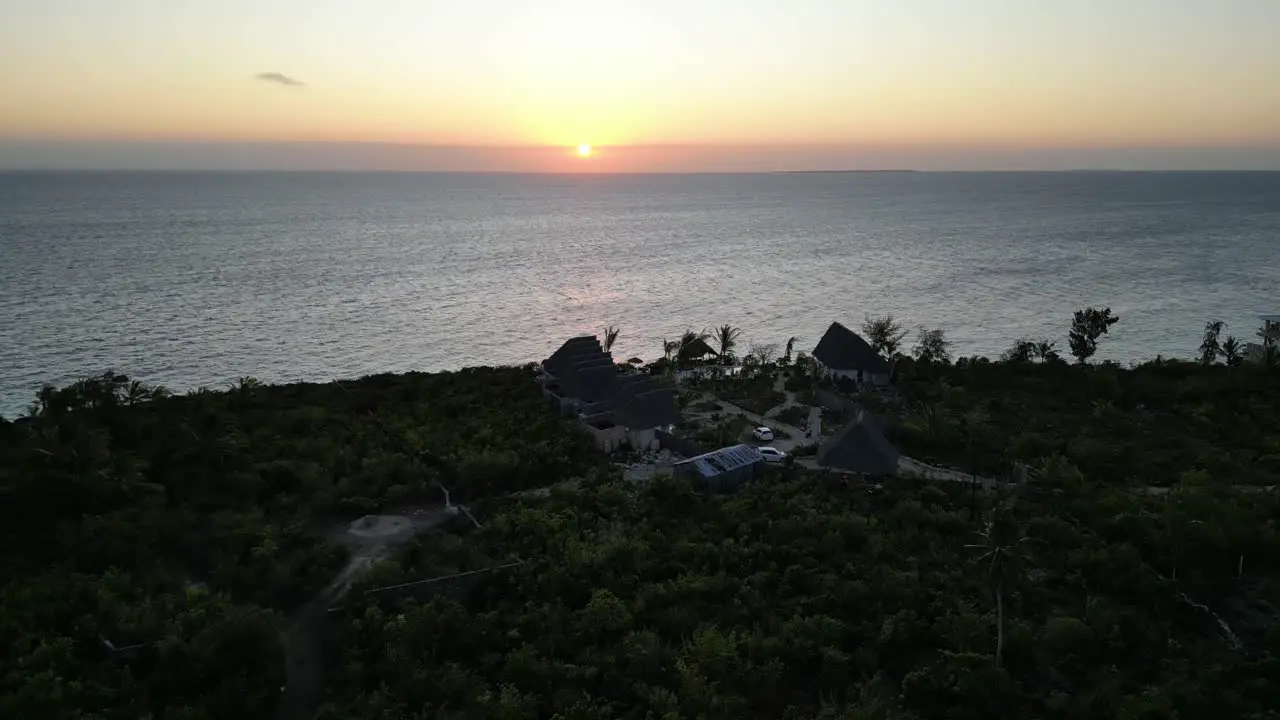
x=698, y=349
x=844, y=354
x=860, y=447
x=723, y=470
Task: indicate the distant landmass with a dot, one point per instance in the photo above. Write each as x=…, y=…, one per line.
x=842, y=172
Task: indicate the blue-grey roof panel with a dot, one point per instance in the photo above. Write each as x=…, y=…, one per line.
x=723, y=460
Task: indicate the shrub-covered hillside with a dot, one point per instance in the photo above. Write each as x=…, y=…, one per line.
x=1145, y=425
x=189, y=525
x=804, y=597
x=156, y=549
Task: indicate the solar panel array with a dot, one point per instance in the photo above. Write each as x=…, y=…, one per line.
x=724, y=460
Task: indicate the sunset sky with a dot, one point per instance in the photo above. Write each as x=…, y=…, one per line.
x=654, y=85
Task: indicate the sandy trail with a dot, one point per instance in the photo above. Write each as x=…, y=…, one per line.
x=369, y=539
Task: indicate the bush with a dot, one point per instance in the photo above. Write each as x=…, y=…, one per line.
x=219, y=506
x=795, y=416
x=806, y=597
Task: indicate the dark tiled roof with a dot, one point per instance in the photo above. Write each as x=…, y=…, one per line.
x=624, y=389
x=582, y=369
x=585, y=372
x=860, y=447
x=573, y=350
x=593, y=382
x=655, y=408
x=843, y=349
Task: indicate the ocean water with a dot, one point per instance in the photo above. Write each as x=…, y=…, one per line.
x=197, y=279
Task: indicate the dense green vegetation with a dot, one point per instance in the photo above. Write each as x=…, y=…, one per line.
x=190, y=526
x=719, y=430
x=752, y=393
x=1148, y=425
x=796, y=416
x=1084, y=594
x=805, y=597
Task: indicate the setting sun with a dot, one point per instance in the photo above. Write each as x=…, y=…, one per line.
x=584, y=150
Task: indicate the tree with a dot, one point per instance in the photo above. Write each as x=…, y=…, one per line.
x=1269, y=333
x=1020, y=352
x=1026, y=350
x=611, y=334
x=1046, y=350
x=688, y=342
x=932, y=346
x=1001, y=545
x=661, y=598
x=1087, y=326
x=791, y=343
x=973, y=423
x=137, y=392
x=762, y=356
x=1210, y=347
x=1059, y=473
x=1271, y=356
x=727, y=338
x=884, y=334
x=1232, y=353
x=669, y=349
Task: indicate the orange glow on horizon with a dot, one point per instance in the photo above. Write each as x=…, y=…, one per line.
x=590, y=87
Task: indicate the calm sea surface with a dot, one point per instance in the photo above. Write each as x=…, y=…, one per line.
x=196, y=279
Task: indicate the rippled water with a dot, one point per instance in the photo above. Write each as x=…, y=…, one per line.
x=196, y=279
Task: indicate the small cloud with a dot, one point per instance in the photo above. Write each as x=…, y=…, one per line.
x=279, y=79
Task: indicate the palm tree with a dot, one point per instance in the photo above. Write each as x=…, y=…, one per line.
x=727, y=338
x=1210, y=348
x=611, y=334
x=1232, y=352
x=136, y=393
x=669, y=347
x=1046, y=350
x=1001, y=544
x=791, y=344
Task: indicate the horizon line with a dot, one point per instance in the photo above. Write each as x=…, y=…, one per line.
x=598, y=173
x=1270, y=143
x=302, y=155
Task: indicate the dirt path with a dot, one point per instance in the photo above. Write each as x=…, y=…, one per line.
x=783, y=444
x=780, y=385
x=909, y=466
x=815, y=421
x=906, y=465
x=369, y=539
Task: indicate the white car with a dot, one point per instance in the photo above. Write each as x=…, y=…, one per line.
x=762, y=433
x=772, y=455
